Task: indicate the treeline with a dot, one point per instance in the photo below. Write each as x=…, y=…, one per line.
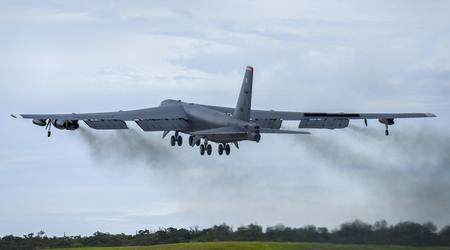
x=356, y=232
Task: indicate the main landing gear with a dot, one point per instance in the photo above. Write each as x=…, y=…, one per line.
x=192, y=143
x=205, y=147
x=224, y=147
x=176, y=140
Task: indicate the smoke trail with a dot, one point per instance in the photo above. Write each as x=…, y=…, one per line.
x=409, y=169
x=407, y=172
x=129, y=146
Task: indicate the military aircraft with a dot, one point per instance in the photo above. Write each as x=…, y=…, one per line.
x=205, y=123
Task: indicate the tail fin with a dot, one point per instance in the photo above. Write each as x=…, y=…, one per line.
x=244, y=103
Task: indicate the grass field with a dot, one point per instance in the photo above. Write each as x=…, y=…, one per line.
x=260, y=245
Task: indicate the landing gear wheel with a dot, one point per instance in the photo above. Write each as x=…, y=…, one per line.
x=172, y=140
x=197, y=143
x=202, y=149
x=227, y=149
x=386, y=132
x=209, y=149
x=49, y=134
x=191, y=140
x=179, y=140
x=220, y=148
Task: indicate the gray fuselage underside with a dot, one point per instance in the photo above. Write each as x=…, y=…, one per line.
x=203, y=118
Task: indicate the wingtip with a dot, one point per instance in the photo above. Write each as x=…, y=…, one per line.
x=430, y=115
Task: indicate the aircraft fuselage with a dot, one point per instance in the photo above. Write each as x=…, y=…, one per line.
x=203, y=118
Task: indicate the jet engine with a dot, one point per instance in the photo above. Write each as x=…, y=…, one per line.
x=253, y=132
x=39, y=122
x=386, y=121
x=66, y=124
x=254, y=136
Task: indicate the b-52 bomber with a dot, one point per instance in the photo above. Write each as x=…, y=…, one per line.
x=205, y=124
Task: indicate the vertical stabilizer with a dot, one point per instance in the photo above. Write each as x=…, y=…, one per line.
x=244, y=103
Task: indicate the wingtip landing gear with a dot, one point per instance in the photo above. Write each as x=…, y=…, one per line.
x=48, y=127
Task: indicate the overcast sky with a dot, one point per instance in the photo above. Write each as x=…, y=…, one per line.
x=334, y=56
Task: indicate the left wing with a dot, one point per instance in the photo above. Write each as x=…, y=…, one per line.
x=163, y=118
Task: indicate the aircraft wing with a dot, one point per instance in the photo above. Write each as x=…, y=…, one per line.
x=293, y=116
x=266, y=114
x=150, y=119
x=271, y=119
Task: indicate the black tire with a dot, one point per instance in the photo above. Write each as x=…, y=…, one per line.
x=227, y=149
x=197, y=143
x=172, y=140
x=209, y=149
x=191, y=140
x=180, y=140
x=220, y=149
x=202, y=149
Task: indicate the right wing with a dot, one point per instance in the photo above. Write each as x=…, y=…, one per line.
x=163, y=118
x=272, y=119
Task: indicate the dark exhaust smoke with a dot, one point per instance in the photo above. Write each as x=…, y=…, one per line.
x=409, y=169
x=129, y=146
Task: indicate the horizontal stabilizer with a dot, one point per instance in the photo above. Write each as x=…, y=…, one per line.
x=220, y=131
x=281, y=131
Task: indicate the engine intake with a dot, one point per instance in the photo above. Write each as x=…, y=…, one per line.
x=66, y=124
x=39, y=122
x=386, y=121
x=254, y=136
